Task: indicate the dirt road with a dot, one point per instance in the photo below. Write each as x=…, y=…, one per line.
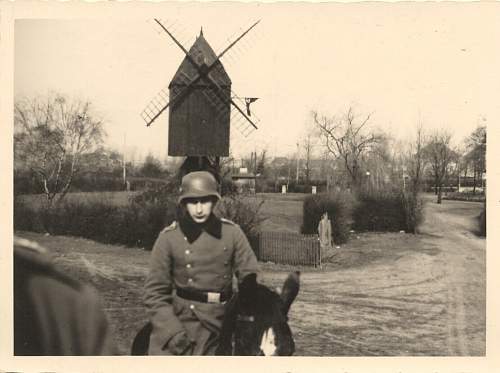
x=385, y=294
x=428, y=298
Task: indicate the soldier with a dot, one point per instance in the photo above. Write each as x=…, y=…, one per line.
x=53, y=313
x=197, y=256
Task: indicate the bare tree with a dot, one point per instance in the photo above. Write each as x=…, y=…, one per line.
x=476, y=156
x=307, y=145
x=346, y=137
x=261, y=168
x=416, y=160
x=440, y=156
x=227, y=166
x=50, y=136
x=152, y=167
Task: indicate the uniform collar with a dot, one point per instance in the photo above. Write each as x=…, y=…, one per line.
x=193, y=230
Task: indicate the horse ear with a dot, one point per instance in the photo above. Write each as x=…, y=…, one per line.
x=290, y=290
x=248, y=284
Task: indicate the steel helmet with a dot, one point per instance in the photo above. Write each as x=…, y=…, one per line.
x=198, y=184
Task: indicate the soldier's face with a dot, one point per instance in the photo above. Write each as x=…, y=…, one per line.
x=200, y=208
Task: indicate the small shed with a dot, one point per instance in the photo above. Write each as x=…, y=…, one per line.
x=199, y=118
x=244, y=180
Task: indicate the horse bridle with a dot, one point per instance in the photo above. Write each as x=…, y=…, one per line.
x=246, y=318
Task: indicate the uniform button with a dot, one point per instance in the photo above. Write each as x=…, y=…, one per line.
x=188, y=265
x=185, y=238
x=225, y=248
x=226, y=263
x=191, y=306
x=225, y=276
x=187, y=252
x=190, y=280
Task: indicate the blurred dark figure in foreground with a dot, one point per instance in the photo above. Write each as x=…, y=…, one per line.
x=53, y=313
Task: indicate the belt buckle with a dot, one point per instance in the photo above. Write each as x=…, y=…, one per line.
x=213, y=297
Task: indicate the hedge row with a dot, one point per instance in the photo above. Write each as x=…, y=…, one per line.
x=381, y=211
x=135, y=224
x=465, y=196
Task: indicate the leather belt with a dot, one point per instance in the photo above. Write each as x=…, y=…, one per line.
x=203, y=297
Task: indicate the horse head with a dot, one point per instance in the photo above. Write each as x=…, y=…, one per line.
x=256, y=321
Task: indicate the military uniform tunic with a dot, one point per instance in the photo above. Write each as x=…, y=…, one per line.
x=53, y=313
x=205, y=264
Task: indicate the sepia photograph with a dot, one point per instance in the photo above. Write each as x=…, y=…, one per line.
x=250, y=179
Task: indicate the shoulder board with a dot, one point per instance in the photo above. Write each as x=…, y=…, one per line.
x=227, y=221
x=171, y=227
x=31, y=245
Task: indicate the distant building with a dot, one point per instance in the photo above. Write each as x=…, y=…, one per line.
x=244, y=181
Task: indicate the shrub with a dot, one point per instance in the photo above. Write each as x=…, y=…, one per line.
x=380, y=211
x=228, y=188
x=413, y=207
x=162, y=194
x=25, y=183
x=338, y=205
x=388, y=211
x=264, y=185
x=26, y=217
x=244, y=212
x=97, y=182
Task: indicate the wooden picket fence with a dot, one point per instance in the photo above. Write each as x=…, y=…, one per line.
x=289, y=248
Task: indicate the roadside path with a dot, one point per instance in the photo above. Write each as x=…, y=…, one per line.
x=427, y=298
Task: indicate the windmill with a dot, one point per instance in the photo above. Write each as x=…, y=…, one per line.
x=199, y=99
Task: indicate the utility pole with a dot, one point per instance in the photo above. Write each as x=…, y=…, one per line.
x=404, y=178
x=123, y=160
x=288, y=179
x=297, y=176
x=255, y=163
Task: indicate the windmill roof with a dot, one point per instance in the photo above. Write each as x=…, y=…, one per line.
x=201, y=52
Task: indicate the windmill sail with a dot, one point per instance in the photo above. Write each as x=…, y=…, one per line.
x=156, y=106
x=240, y=121
x=234, y=54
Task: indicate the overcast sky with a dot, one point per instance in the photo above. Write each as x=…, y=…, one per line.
x=401, y=62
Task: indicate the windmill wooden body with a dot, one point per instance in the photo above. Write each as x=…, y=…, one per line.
x=199, y=124
x=199, y=100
